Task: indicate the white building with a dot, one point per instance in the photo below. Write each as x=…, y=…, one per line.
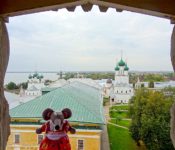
x=107, y=89
x=122, y=90
x=35, y=84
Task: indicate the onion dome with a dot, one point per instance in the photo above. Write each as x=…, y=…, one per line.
x=126, y=68
x=30, y=76
x=109, y=81
x=117, y=68
x=41, y=76
x=121, y=63
x=38, y=77
x=35, y=75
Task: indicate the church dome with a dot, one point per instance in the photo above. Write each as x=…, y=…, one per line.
x=35, y=75
x=41, y=76
x=109, y=81
x=121, y=62
x=38, y=77
x=126, y=68
x=117, y=68
x=30, y=76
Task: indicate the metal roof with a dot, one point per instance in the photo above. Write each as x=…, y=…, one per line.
x=32, y=88
x=85, y=102
x=48, y=89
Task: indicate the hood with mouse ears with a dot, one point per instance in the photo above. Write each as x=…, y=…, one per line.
x=47, y=113
x=67, y=113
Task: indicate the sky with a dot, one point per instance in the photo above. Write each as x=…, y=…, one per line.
x=88, y=41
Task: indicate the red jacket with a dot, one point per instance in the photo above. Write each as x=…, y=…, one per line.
x=55, y=140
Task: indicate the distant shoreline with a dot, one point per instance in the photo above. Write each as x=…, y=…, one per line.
x=88, y=71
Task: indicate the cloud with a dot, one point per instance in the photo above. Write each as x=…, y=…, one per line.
x=88, y=41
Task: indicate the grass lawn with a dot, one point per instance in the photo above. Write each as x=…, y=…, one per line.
x=125, y=123
x=121, y=114
x=120, y=107
x=105, y=101
x=120, y=139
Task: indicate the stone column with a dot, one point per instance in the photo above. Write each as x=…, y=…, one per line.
x=4, y=107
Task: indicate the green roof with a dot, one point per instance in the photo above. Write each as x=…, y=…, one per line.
x=121, y=62
x=30, y=76
x=126, y=68
x=48, y=89
x=117, y=68
x=85, y=102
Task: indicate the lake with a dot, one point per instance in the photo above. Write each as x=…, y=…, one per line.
x=23, y=77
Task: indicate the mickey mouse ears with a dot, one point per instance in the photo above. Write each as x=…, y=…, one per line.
x=47, y=113
x=67, y=113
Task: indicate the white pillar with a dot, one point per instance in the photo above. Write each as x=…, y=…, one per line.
x=4, y=107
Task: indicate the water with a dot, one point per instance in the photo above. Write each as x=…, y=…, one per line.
x=23, y=77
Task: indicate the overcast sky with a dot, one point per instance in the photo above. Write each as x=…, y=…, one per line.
x=90, y=41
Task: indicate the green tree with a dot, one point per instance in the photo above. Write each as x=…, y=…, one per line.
x=142, y=85
x=24, y=85
x=137, y=104
x=117, y=119
x=153, y=77
x=11, y=86
x=150, y=113
x=151, y=84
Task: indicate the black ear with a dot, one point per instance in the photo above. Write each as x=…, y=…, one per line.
x=47, y=113
x=67, y=113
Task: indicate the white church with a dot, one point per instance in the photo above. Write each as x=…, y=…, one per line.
x=121, y=91
x=35, y=84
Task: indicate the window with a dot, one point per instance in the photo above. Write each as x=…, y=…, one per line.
x=17, y=138
x=112, y=99
x=40, y=138
x=80, y=144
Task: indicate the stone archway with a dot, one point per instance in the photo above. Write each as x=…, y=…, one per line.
x=4, y=107
x=172, y=132
x=10, y=8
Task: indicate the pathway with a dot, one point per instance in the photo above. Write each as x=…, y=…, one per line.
x=118, y=125
x=105, y=139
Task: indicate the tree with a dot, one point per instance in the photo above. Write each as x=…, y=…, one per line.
x=150, y=113
x=142, y=85
x=117, y=119
x=135, y=111
x=151, y=84
x=153, y=77
x=24, y=85
x=11, y=86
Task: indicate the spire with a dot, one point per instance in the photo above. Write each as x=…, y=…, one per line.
x=121, y=54
x=138, y=80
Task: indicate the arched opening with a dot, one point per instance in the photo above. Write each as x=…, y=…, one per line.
x=8, y=9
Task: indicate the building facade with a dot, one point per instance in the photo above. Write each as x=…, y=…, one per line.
x=122, y=91
x=86, y=104
x=35, y=84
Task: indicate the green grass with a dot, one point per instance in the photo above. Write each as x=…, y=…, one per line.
x=121, y=114
x=120, y=107
x=124, y=123
x=105, y=101
x=120, y=139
